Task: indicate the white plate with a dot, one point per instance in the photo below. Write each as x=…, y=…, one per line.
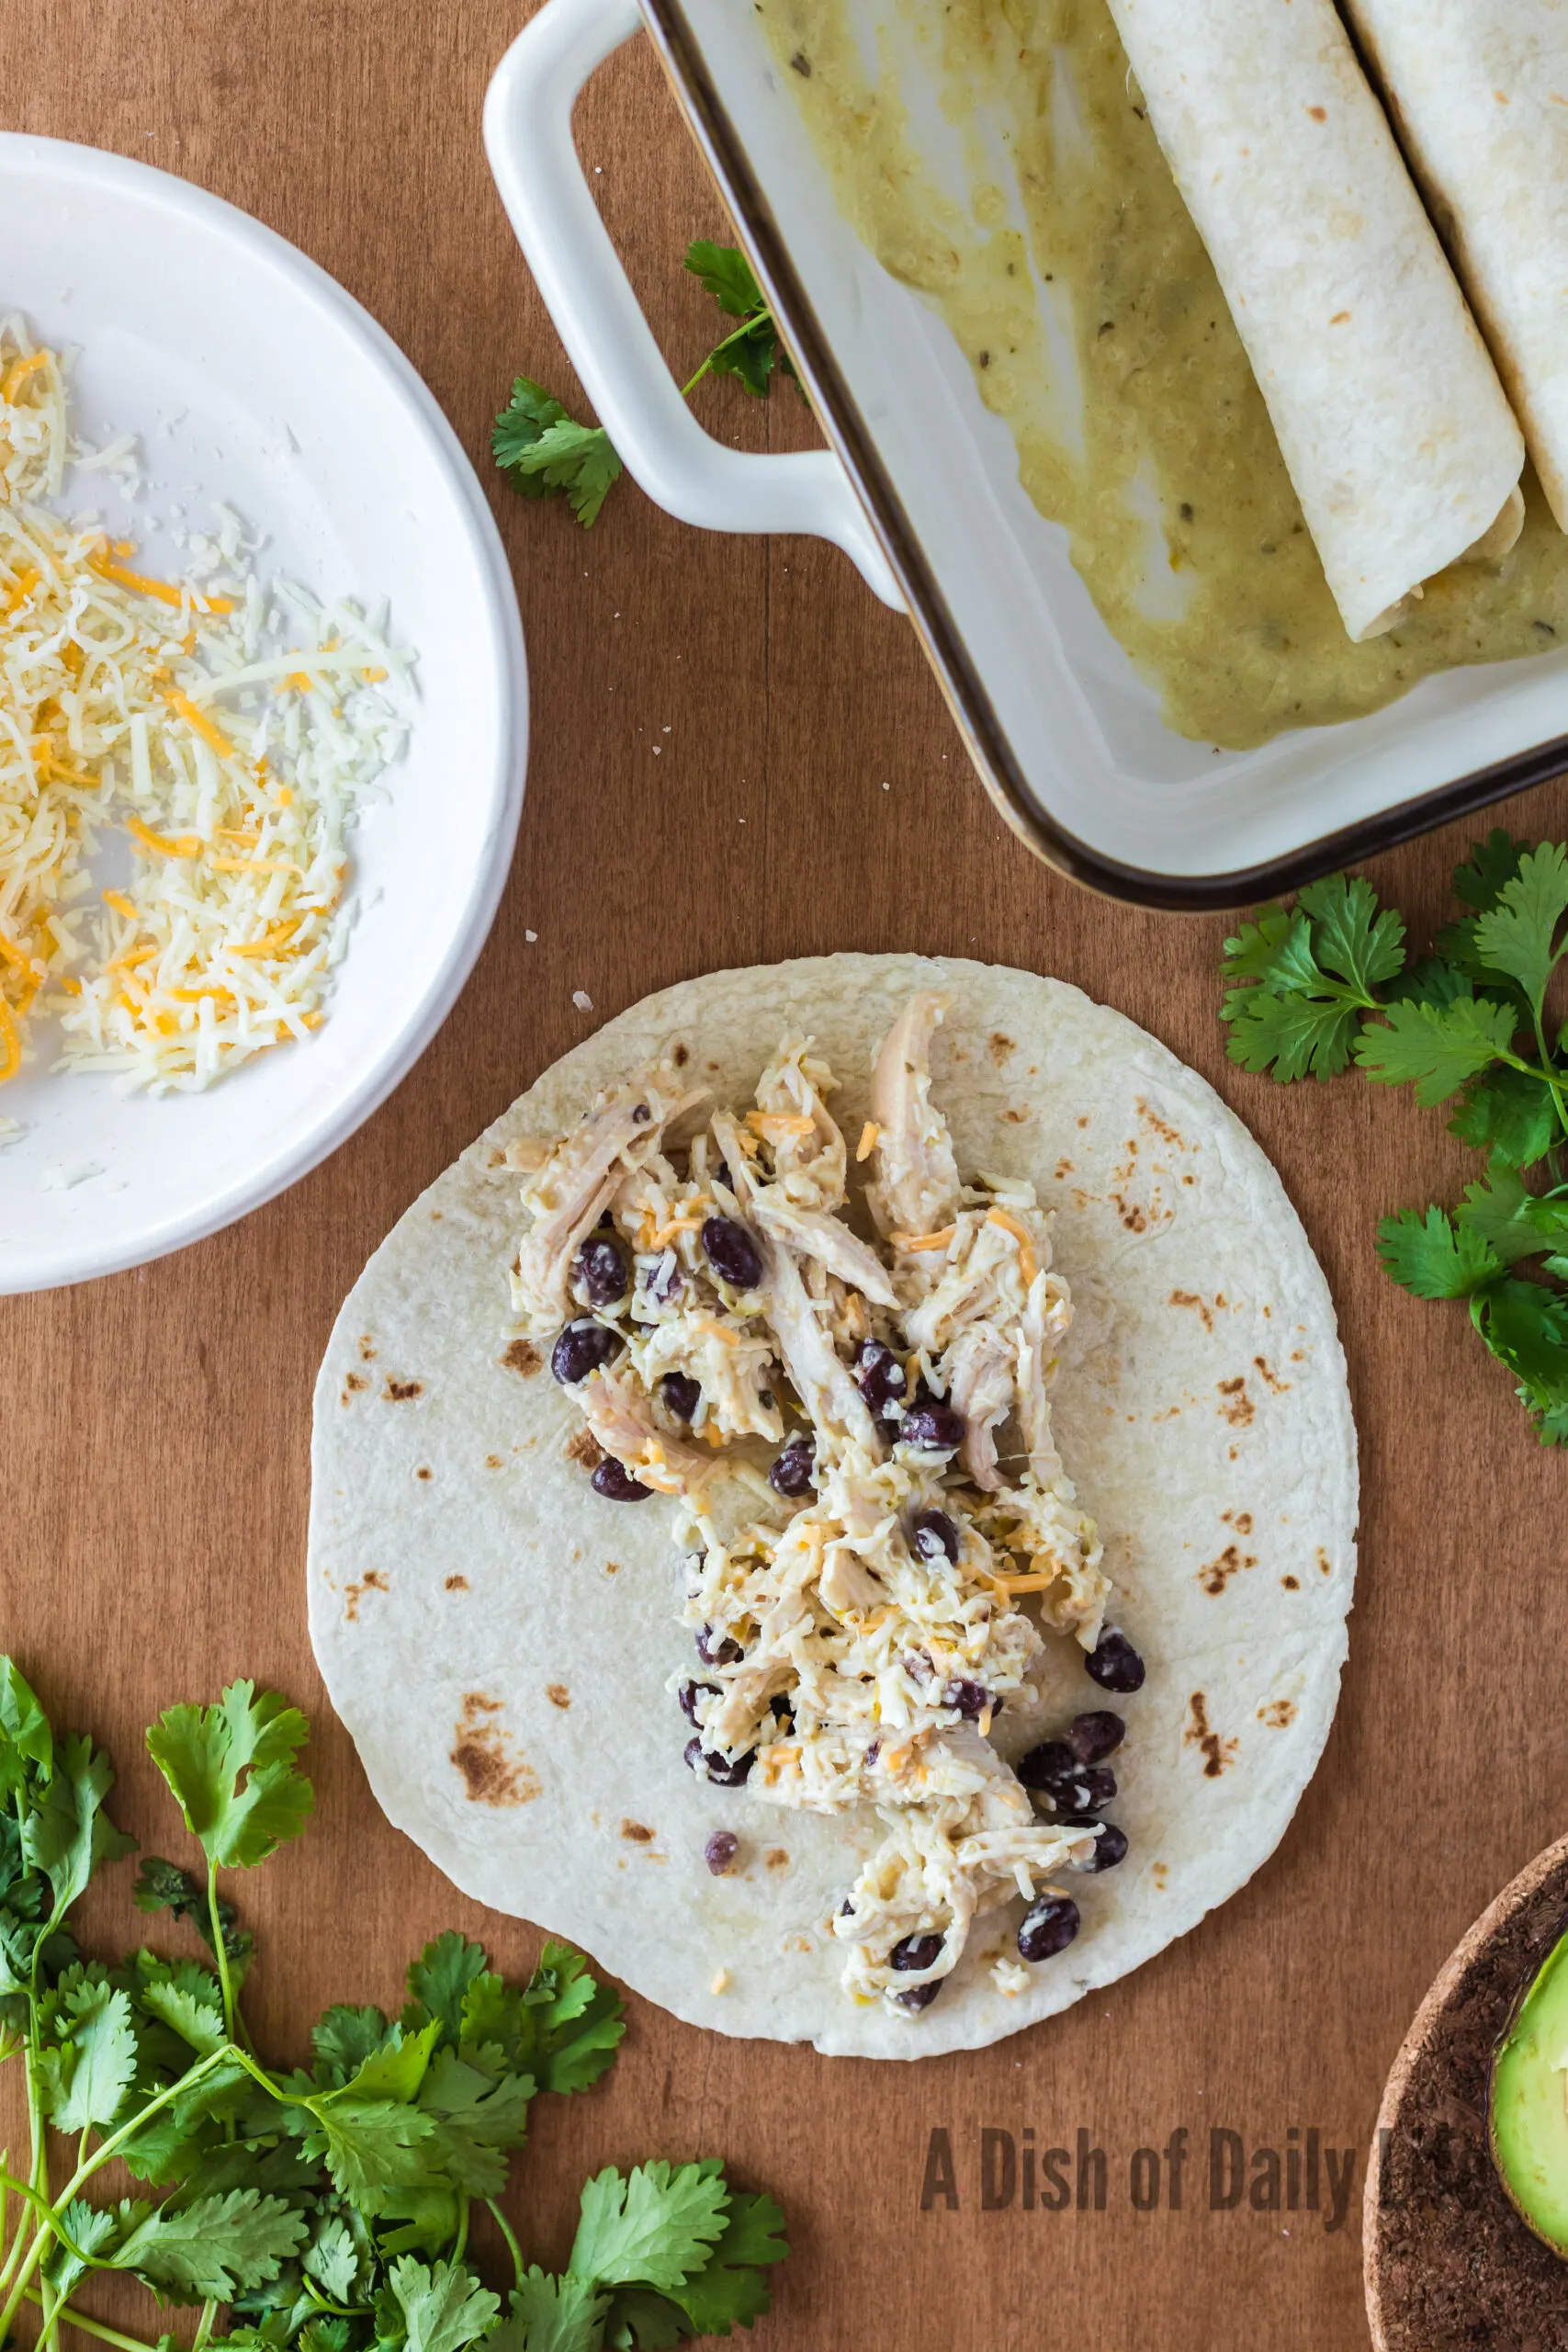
x=250, y=375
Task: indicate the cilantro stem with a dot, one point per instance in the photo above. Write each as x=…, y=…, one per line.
x=67, y=2316
x=505, y=2226
x=220, y=1953
x=204, y=2325
x=1547, y=1072
x=764, y=317
x=52, y=2221
x=461, y=2240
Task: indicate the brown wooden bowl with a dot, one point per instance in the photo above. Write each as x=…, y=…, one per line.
x=1448, y=2262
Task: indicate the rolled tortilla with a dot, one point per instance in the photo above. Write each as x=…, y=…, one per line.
x=1479, y=93
x=1397, y=434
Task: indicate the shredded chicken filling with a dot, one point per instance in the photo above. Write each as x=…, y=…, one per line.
x=919, y=1537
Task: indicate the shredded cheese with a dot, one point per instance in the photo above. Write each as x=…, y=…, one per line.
x=1028, y=1265
x=870, y=1136
x=141, y=710
x=923, y=1240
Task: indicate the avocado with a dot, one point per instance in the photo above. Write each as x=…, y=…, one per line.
x=1530, y=2103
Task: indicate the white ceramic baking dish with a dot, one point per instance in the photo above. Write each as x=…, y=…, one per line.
x=922, y=492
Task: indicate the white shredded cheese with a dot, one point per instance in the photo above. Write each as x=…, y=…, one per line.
x=222, y=731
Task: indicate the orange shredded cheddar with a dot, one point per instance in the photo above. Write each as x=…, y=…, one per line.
x=164, y=844
x=870, y=1136
x=780, y=1123
x=195, y=719
x=1028, y=1264
x=16, y=376
x=107, y=569
x=27, y=580
x=122, y=905
x=923, y=1240
x=10, y=1042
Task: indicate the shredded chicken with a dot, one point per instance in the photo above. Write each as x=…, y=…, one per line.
x=858, y=1636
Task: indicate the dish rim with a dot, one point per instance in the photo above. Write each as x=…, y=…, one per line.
x=996, y=765
x=81, y=168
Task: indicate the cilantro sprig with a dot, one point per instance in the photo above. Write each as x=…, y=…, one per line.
x=1329, y=983
x=325, y=2209
x=543, y=451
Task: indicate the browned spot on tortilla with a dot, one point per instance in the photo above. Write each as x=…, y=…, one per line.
x=523, y=1357
x=435, y=1215
x=1217, y=1752
x=1218, y=1573
x=493, y=1461
x=612, y=1568
x=425, y=1471
x=373, y=1580
x=1324, y=1562
x=558, y=1695
x=457, y=1584
x=1084, y=1119
x=776, y=1857
x=1162, y=1127
x=998, y=1047
x=1238, y=1408
x=1190, y=1299
x=584, y=1448
x=1018, y=1118
x=1063, y=1168
x=1278, y=1714
x=493, y=1773
x=366, y=1349
x=497, y=1158
x=1292, y=1584
x=639, y=1832
x=1134, y=1218
x=680, y=1056
x=1189, y=1180
x=398, y=1392
x=353, y=1385
x=1275, y=1383
x=1160, y=1873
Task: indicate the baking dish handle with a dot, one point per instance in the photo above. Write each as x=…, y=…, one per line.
x=528, y=138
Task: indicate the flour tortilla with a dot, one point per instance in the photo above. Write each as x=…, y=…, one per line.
x=1479, y=91
x=1396, y=432
x=497, y=1638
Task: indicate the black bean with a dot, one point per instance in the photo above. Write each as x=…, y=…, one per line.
x=792, y=1471
x=731, y=1252
x=1070, y=1787
x=583, y=1347
x=721, y=1651
x=615, y=1483
x=934, y=1534
x=724, y=1771
x=1052, y=1760
x=846, y=1909
x=971, y=1698
x=664, y=1280
x=782, y=1708
x=920, y=1997
x=1095, y=1736
x=680, y=1395
x=1113, y=1663
x=879, y=1375
x=720, y=1852
x=600, y=1272
x=1047, y=1927
x=916, y=1951
x=689, y=1694
x=1109, y=1847
x=641, y=1113
x=934, y=1426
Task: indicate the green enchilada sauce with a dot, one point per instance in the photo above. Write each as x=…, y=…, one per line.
x=1099, y=332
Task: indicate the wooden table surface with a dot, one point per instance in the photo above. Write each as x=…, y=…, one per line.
x=715, y=722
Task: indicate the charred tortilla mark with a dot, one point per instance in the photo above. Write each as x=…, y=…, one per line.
x=1162, y=1127
x=639, y=1832
x=1016, y=1118
x=457, y=1584
x=1134, y=1218
x=1217, y=1752
x=366, y=1349
x=1278, y=1714
x=612, y=1568
x=497, y=1158
x=1324, y=1562
x=1217, y=1574
x=353, y=1386
x=1240, y=1519
x=483, y=1753
x=523, y=1357
x=777, y=1858
x=1292, y=1584
x=1238, y=1408
x=585, y=1449
x=425, y=1471
x=998, y=1047
x=493, y=1461
x=1065, y=1168
x=680, y=1056
x=1275, y=1383
x=1160, y=1873
x=401, y=1392
x=558, y=1695
x=373, y=1580
x=1190, y=1299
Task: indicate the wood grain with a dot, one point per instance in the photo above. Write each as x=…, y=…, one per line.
x=738, y=755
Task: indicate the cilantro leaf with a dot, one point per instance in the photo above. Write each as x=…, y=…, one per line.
x=212, y=2248
x=232, y=1771
x=550, y=2314
x=1510, y=1115
x=1516, y=1223
x=653, y=2227
x=1433, y=1257
x=1430, y=981
x=443, y=2307
x=1515, y=936
x=331, y=2259
x=1293, y=1035
x=89, y=2228
x=187, y=2000
x=728, y=277
x=640, y=2319
x=579, y=2022
x=1491, y=863
x=344, y=2039
x=477, y=2121
x=439, y=1979
x=730, y=2289
x=1434, y=1047
x=89, y=2070
x=1350, y=937
x=67, y=1833
x=25, y=1735
x=542, y=451
x=369, y=2136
